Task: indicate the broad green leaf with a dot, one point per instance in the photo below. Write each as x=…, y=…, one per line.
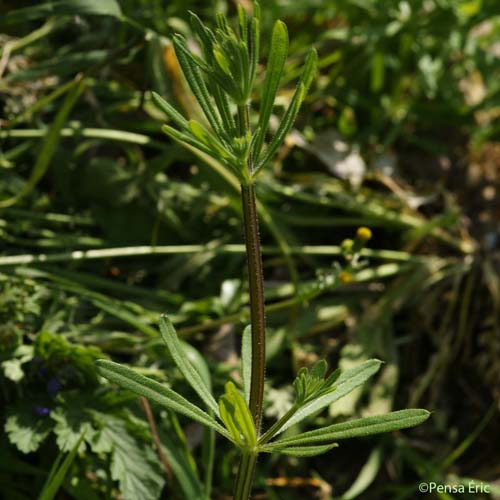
x=357, y=428
x=246, y=361
x=134, y=464
x=71, y=423
x=63, y=8
x=277, y=57
x=178, y=354
x=347, y=381
x=157, y=392
x=26, y=431
x=303, y=451
x=57, y=475
x=292, y=111
x=170, y=111
x=49, y=145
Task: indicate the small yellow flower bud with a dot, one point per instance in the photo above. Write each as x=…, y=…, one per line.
x=364, y=233
x=345, y=277
x=347, y=245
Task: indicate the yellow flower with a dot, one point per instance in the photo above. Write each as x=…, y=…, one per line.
x=364, y=233
x=345, y=277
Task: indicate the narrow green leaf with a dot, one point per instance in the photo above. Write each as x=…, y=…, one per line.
x=245, y=69
x=190, y=141
x=254, y=49
x=366, y=476
x=243, y=23
x=221, y=60
x=170, y=111
x=319, y=369
x=197, y=84
x=180, y=458
x=277, y=57
x=346, y=383
x=303, y=451
x=56, y=478
x=206, y=36
x=157, y=392
x=293, y=109
x=222, y=104
x=246, y=361
x=207, y=138
x=178, y=354
x=357, y=428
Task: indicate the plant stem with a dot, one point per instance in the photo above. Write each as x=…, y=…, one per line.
x=257, y=307
x=278, y=425
x=246, y=472
x=246, y=469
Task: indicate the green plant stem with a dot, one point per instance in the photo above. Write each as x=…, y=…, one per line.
x=145, y=250
x=246, y=472
x=257, y=307
x=278, y=425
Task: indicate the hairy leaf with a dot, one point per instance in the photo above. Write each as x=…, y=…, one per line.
x=157, y=392
x=186, y=368
x=347, y=381
x=197, y=84
x=236, y=415
x=246, y=361
x=277, y=57
x=26, y=431
x=302, y=451
x=292, y=110
x=170, y=111
x=357, y=428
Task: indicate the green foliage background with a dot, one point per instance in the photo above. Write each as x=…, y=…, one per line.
x=105, y=224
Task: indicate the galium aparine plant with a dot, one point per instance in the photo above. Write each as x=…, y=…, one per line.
x=222, y=80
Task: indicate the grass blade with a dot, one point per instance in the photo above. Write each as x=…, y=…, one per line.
x=56, y=477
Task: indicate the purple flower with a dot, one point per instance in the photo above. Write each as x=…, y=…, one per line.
x=53, y=387
x=41, y=411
